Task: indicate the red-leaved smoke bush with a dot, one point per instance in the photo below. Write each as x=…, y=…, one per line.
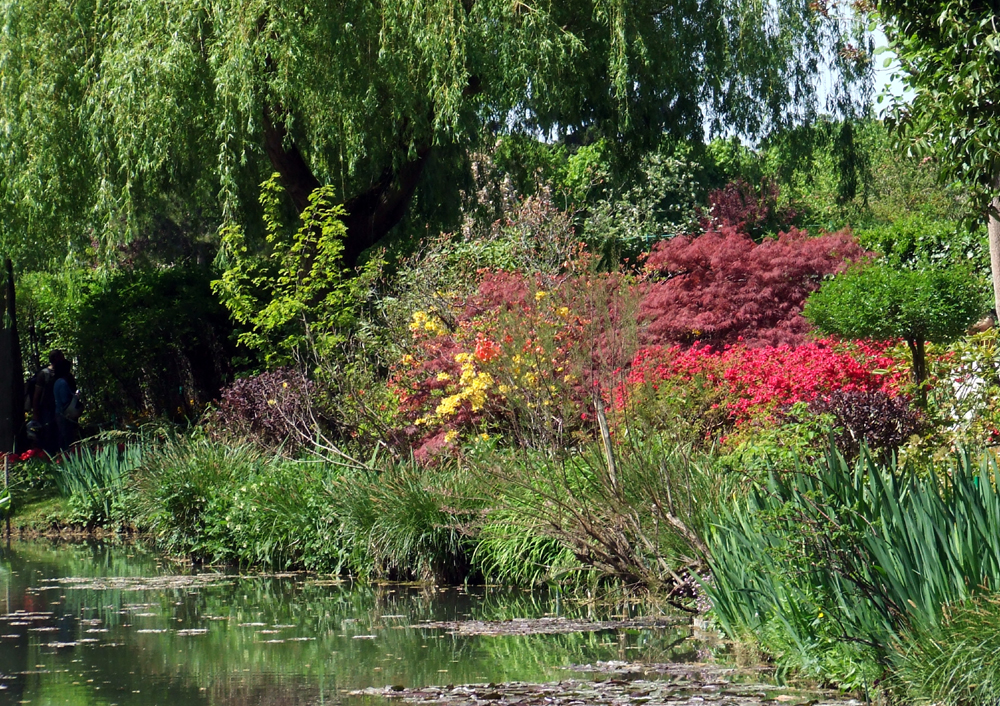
x=721, y=287
x=756, y=381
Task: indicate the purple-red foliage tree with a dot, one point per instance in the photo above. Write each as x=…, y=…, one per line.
x=722, y=287
x=748, y=209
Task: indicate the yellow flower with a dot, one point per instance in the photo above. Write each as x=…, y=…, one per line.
x=540, y=294
x=449, y=405
x=563, y=311
x=450, y=436
x=443, y=376
x=484, y=437
x=419, y=319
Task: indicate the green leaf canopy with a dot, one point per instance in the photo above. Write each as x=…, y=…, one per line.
x=116, y=112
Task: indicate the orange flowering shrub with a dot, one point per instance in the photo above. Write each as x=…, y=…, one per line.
x=523, y=356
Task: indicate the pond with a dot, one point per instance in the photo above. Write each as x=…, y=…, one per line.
x=115, y=624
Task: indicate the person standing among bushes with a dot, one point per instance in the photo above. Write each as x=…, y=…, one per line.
x=43, y=414
x=63, y=391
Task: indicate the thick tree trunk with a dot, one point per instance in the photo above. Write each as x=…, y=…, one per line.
x=370, y=214
x=373, y=213
x=296, y=175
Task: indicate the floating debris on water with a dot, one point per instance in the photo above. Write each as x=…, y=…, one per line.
x=548, y=626
x=141, y=583
x=611, y=692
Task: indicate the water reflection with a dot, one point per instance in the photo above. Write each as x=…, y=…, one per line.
x=99, y=624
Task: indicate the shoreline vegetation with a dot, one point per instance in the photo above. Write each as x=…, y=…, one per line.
x=720, y=419
x=601, y=296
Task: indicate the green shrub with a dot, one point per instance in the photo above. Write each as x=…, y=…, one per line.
x=293, y=292
x=916, y=241
x=881, y=302
x=185, y=492
x=147, y=342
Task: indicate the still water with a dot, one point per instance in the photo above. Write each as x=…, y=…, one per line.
x=106, y=625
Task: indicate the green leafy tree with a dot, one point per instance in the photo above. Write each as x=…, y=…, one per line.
x=949, y=51
x=881, y=302
x=915, y=241
x=293, y=294
x=112, y=111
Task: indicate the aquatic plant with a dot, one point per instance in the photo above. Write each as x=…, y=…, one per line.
x=831, y=566
x=96, y=481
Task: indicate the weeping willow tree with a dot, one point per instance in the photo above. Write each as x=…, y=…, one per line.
x=117, y=112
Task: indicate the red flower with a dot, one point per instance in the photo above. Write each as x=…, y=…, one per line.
x=486, y=350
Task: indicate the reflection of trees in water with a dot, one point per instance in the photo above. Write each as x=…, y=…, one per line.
x=266, y=690
x=233, y=664
x=13, y=653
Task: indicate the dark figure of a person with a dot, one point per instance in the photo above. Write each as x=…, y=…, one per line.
x=43, y=407
x=62, y=393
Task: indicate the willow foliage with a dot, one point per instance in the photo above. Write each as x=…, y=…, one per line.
x=114, y=111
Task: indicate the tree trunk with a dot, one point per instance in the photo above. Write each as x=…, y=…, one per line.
x=994, y=235
x=370, y=214
x=919, y=354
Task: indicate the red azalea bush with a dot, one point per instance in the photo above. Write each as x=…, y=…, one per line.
x=722, y=288
x=754, y=382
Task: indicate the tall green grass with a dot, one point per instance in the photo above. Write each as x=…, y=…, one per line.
x=632, y=518
x=408, y=523
x=236, y=504
x=185, y=491
x=509, y=518
x=96, y=481
x=831, y=567
x=956, y=662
